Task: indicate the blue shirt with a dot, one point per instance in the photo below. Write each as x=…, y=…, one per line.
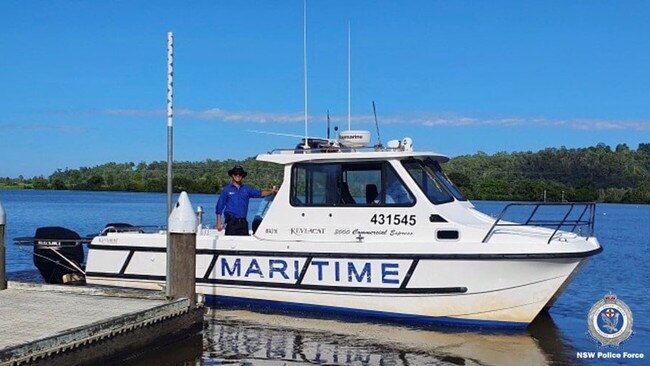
x=233, y=201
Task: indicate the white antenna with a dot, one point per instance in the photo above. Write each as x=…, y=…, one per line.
x=349, y=80
x=304, y=54
x=274, y=133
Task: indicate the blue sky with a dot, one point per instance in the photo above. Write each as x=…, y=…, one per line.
x=84, y=82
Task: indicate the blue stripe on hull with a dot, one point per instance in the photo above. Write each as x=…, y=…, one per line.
x=349, y=313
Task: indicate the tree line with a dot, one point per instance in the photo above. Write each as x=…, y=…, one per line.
x=596, y=173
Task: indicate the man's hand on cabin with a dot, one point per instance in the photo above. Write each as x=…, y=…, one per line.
x=219, y=224
x=272, y=192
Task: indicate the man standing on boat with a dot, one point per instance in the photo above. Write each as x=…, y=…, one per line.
x=233, y=202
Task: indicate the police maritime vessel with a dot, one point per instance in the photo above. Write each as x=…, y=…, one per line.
x=379, y=232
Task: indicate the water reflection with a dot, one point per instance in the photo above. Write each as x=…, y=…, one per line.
x=185, y=352
x=252, y=338
x=557, y=348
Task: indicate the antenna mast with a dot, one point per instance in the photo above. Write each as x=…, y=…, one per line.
x=304, y=55
x=374, y=110
x=328, y=124
x=349, y=80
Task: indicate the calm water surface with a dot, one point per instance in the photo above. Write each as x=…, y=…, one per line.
x=242, y=336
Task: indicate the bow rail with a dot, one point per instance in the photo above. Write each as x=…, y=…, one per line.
x=575, y=216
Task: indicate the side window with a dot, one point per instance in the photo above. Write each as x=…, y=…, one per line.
x=396, y=192
x=298, y=186
x=348, y=184
x=315, y=185
x=363, y=183
x=374, y=184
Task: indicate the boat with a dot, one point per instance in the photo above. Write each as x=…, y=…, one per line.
x=372, y=231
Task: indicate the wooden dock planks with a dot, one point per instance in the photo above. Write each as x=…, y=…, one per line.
x=47, y=321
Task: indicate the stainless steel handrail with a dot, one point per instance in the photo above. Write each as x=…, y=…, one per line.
x=589, y=209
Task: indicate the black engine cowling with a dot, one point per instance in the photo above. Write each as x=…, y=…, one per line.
x=67, y=243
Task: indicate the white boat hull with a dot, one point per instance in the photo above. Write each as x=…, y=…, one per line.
x=479, y=289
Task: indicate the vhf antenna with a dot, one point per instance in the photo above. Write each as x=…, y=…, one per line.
x=349, y=80
x=328, y=124
x=374, y=110
x=304, y=56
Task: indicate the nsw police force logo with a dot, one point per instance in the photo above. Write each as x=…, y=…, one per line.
x=610, y=321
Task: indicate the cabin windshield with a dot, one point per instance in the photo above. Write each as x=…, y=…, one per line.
x=435, y=167
x=428, y=181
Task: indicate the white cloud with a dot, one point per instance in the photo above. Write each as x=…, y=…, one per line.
x=244, y=116
x=424, y=119
x=40, y=127
x=138, y=113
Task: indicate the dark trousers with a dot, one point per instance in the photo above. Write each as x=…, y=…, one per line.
x=236, y=227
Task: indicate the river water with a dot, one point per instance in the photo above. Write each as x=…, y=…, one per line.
x=246, y=337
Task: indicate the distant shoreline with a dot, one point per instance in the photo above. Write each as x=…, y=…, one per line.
x=593, y=174
x=216, y=193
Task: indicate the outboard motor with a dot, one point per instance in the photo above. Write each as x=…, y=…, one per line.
x=50, y=244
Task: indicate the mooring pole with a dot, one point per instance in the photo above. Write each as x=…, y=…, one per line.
x=3, y=274
x=181, y=277
x=170, y=141
x=170, y=117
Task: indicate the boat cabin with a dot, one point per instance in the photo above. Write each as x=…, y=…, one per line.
x=355, y=194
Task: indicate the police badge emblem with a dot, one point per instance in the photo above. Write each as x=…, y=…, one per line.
x=610, y=321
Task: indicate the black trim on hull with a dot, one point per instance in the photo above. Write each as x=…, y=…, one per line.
x=258, y=284
x=304, y=269
x=359, y=255
x=409, y=273
x=127, y=261
x=213, y=263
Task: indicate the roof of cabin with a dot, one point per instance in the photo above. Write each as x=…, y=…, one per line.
x=285, y=157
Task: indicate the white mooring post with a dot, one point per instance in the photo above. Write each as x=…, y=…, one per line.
x=181, y=276
x=3, y=274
